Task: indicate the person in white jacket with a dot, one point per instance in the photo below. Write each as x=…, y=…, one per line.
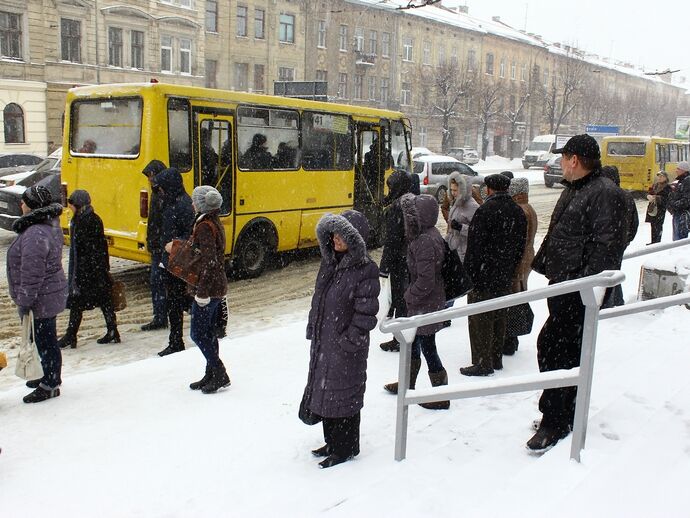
x=460, y=212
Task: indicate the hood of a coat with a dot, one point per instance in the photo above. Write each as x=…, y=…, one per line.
x=170, y=180
x=399, y=183
x=353, y=227
x=40, y=215
x=464, y=187
x=419, y=213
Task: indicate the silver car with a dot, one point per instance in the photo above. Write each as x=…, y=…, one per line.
x=433, y=171
x=466, y=155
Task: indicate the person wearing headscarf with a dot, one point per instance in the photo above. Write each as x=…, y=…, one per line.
x=37, y=283
x=343, y=312
x=88, y=274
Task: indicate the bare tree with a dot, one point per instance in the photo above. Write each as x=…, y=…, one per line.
x=488, y=95
x=514, y=114
x=564, y=92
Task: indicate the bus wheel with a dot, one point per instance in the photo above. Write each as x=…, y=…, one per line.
x=252, y=254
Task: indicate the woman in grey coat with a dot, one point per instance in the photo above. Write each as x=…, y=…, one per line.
x=343, y=311
x=460, y=213
x=426, y=292
x=37, y=282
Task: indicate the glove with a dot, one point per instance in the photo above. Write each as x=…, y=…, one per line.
x=455, y=225
x=202, y=302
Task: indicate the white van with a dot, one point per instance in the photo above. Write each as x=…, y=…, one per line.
x=539, y=151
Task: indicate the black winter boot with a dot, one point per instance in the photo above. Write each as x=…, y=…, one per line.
x=219, y=379
x=112, y=336
x=68, y=340
x=42, y=393
x=546, y=438
x=415, y=365
x=34, y=383
x=476, y=370
x=392, y=346
x=197, y=385
x=172, y=348
x=324, y=451
x=437, y=379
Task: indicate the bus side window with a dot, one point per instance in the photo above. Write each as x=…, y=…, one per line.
x=327, y=142
x=267, y=139
x=215, y=155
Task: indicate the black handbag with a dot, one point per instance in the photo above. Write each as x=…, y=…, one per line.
x=456, y=280
x=305, y=415
x=519, y=320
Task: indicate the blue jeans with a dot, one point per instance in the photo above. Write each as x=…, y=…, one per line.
x=426, y=344
x=158, y=295
x=680, y=225
x=203, y=331
x=48, y=350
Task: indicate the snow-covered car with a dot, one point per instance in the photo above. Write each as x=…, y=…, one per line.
x=552, y=171
x=466, y=155
x=19, y=159
x=433, y=171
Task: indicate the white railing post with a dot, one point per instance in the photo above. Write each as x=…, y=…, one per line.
x=404, y=362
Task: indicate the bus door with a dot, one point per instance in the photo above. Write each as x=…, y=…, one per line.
x=370, y=168
x=214, y=164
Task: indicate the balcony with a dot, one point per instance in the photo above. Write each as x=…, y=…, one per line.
x=363, y=59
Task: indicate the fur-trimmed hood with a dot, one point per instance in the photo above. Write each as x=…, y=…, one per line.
x=464, y=187
x=419, y=213
x=353, y=227
x=40, y=215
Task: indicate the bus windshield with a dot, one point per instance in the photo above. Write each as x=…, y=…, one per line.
x=106, y=127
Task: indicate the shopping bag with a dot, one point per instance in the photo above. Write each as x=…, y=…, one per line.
x=28, y=362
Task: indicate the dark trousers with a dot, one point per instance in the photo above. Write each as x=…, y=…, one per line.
x=203, y=331
x=76, y=313
x=487, y=332
x=657, y=228
x=399, y=281
x=558, y=347
x=177, y=299
x=426, y=345
x=48, y=350
x=158, y=294
x=342, y=435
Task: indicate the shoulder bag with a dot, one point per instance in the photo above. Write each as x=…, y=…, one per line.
x=184, y=260
x=456, y=280
x=28, y=362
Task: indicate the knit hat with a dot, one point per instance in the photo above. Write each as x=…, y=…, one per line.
x=153, y=168
x=79, y=198
x=508, y=174
x=206, y=199
x=518, y=186
x=497, y=182
x=684, y=166
x=37, y=196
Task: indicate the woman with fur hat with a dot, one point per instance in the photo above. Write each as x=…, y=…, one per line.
x=343, y=312
x=88, y=275
x=208, y=237
x=37, y=282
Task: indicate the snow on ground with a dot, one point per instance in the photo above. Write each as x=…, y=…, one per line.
x=495, y=164
x=134, y=441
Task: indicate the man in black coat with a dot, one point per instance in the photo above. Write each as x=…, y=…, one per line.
x=586, y=233
x=495, y=244
x=679, y=201
x=176, y=223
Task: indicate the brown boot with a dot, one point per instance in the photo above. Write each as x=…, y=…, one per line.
x=437, y=379
x=415, y=365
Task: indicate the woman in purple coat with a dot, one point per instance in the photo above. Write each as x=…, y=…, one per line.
x=37, y=282
x=343, y=311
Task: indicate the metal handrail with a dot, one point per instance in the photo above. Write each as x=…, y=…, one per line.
x=404, y=330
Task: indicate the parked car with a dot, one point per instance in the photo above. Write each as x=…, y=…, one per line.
x=433, y=171
x=552, y=171
x=17, y=159
x=415, y=152
x=47, y=173
x=466, y=155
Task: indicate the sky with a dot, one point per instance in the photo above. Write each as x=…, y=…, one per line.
x=653, y=35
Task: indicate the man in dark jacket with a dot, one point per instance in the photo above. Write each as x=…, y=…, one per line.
x=177, y=219
x=585, y=236
x=679, y=201
x=153, y=243
x=495, y=244
x=394, y=256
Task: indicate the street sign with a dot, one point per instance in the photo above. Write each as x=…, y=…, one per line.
x=597, y=129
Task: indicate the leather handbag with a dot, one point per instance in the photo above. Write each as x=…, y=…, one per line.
x=184, y=260
x=28, y=362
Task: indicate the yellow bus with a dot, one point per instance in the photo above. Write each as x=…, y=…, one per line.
x=280, y=163
x=639, y=158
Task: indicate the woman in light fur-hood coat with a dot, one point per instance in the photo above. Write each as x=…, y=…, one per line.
x=460, y=213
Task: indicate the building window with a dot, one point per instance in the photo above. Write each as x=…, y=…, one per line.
x=359, y=39
x=385, y=44
x=406, y=94
x=408, y=43
x=14, y=124
x=212, y=15
x=185, y=56
x=322, y=34
x=422, y=136
x=426, y=52
x=258, y=78
x=259, y=24
x=502, y=69
x=287, y=28
x=441, y=55
x=454, y=57
x=523, y=73
x=137, y=49
x=241, y=20
x=359, y=82
x=371, y=87
x=373, y=42
x=166, y=54
x=384, y=89
x=211, y=72
x=322, y=75
x=471, y=60
x=513, y=70
x=10, y=35
x=241, y=76
x=546, y=78
x=114, y=46
x=71, y=40
x=286, y=74
x=490, y=63
x=342, y=86
x=342, y=38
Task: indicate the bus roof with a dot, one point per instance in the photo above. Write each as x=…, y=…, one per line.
x=636, y=138
x=196, y=92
